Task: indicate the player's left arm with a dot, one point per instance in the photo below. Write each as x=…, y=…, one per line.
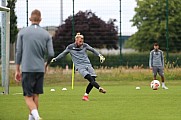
x=50, y=50
x=102, y=58
x=162, y=59
x=151, y=60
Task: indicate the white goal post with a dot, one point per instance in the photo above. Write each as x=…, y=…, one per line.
x=2, y=8
x=5, y=43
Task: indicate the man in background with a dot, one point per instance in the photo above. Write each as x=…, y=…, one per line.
x=156, y=63
x=33, y=43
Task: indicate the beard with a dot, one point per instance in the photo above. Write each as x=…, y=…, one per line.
x=156, y=50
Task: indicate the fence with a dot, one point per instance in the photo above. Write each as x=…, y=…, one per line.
x=56, y=12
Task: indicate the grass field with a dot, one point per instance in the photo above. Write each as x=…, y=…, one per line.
x=122, y=102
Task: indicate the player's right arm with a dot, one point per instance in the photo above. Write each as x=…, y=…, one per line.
x=19, y=49
x=61, y=55
x=151, y=60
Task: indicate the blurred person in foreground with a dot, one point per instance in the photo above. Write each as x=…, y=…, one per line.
x=33, y=43
x=82, y=63
x=156, y=63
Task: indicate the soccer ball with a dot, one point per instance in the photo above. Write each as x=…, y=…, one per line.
x=155, y=84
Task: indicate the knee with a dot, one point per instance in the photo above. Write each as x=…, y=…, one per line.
x=90, y=78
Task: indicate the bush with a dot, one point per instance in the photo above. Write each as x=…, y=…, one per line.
x=128, y=60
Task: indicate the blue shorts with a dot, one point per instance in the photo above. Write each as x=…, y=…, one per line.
x=32, y=83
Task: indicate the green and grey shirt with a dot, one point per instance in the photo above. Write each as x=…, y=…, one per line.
x=156, y=59
x=78, y=54
x=33, y=43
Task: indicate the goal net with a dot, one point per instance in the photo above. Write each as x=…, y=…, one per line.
x=5, y=42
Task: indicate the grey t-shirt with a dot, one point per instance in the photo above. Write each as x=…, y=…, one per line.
x=33, y=43
x=78, y=54
x=156, y=59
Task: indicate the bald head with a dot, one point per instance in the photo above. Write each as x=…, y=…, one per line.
x=35, y=16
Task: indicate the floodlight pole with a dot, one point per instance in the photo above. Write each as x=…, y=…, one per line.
x=73, y=34
x=61, y=12
x=167, y=35
x=27, y=13
x=73, y=21
x=120, y=38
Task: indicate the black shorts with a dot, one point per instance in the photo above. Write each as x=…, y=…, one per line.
x=32, y=83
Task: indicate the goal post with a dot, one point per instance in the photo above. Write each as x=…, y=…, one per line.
x=2, y=8
x=5, y=46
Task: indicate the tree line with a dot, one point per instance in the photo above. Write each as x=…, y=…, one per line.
x=150, y=20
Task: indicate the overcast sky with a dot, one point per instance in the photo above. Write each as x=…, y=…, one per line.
x=104, y=9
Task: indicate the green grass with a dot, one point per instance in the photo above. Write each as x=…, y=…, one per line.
x=121, y=102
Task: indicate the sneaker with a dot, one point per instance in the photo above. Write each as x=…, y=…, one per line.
x=85, y=98
x=164, y=87
x=102, y=90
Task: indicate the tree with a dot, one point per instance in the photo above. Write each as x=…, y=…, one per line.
x=150, y=20
x=96, y=32
x=13, y=21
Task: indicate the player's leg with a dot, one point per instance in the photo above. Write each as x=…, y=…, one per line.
x=86, y=72
x=91, y=80
x=28, y=83
x=93, y=75
x=38, y=89
x=90, y=86
x=161, y=73
x=88, y=89
x=30, y=117
x=154, y=70
x=32, y=107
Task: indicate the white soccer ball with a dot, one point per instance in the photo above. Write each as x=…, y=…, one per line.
x=155, y=84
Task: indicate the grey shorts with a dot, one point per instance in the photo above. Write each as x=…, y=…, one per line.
x=32, y=83
x=158, y=70
x=87, y=70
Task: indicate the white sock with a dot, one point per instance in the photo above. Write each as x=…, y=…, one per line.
x=86, y=94
x=30, y=117
x=163, y=84
x=35, y=114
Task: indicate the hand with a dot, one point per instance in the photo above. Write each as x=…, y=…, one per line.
x=102, y=58
x=17, y=76
x=53, y=60
x=46, y=67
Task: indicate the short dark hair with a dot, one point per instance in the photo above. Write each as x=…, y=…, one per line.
x=156, y=44
x=35, y=15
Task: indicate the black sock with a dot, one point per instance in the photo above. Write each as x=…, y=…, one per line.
x=89, y=88
x=92, y=81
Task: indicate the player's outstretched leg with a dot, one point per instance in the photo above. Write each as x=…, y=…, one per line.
x=102, y=90
x=94, y=83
